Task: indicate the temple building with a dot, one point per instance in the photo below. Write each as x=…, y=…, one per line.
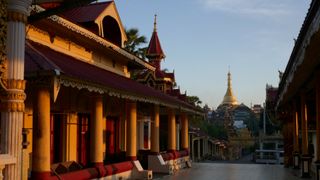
x=70, y=108
x=159, y=79
x=298, y=98
x=239, y=121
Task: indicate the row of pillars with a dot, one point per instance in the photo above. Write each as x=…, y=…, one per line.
x=41, y=136
x=303, y=157
x=12, y=114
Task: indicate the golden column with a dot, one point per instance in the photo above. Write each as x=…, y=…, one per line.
x=131, y=152
x=96, y=138
x=171, y=130
x=184, y=132
x=295, y=118
x=41, y=135
x=13, y=17
x=155, y=131
x=304, y=124
x=295, y=128
x=305, y=158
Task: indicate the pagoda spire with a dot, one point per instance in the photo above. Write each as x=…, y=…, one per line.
x=155, y=23
x=229, y=98
x=154, y=52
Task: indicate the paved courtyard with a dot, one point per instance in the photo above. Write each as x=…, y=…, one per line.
x=227, y=171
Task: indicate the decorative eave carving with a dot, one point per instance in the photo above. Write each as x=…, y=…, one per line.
x=92, y=87
x=90, y=35
x=299, y=58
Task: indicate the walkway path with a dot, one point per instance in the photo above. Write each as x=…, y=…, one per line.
x=220, y=171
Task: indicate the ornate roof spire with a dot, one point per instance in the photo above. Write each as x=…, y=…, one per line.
x=154, y=52
x=155, y=23
x=229, y=98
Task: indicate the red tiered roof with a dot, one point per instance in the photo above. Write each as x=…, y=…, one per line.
x=86, y=13
x=154, y=49
x=41, y=58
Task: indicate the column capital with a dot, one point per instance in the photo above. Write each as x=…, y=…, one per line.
x=13, y=99
x=19, y=6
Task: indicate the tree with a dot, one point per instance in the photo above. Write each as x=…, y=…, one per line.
x=135, y=43
x=195, y=100
x=206, y=108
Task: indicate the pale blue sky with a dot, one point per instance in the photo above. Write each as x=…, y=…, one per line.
x=201, y=38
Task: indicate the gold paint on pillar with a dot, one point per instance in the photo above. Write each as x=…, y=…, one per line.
x=184, y=131
x=12, y=100
x=155, y=130
x=96, y=151
x=304, y=124
x=17, y=17
x=295, y=118
x=41, y=132
x=171, y=130
x=71, y=137
x=131, y=151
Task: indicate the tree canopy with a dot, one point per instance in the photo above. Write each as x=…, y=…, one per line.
x=195, y=100
x=135, y=43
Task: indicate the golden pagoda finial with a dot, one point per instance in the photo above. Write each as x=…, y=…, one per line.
x=155, y=23
x=229, y=98
x=229, y=80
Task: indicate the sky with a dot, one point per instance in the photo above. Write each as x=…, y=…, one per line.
x=202, y=39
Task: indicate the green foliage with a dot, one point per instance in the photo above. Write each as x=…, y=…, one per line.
x=195, y=100
x=214, y=130
x=253, y=124
x=136, y=43
x=217, y=131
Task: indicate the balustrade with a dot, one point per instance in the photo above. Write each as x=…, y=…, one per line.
x=5, y=159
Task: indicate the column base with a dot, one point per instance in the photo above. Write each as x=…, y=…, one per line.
x=317, y=163
x=174, y=152
x=154, y=153
x=305, y=166
x=40, y=175
x=296, y=160
x=186, y=149
x=131, y=158
x=100, y=168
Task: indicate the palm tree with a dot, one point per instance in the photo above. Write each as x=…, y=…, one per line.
x=135, y=43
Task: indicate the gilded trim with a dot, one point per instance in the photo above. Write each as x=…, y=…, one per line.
x=12, y=99
x=17, y=17
x=16, y=84
x=91, y=87
x=12, y=106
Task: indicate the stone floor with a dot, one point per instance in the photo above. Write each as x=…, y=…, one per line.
x=227, y=171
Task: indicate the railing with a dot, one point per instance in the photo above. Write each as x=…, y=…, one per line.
x=269, y=156
x=5, y=159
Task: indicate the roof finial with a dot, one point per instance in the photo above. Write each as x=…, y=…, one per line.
x=155, y=23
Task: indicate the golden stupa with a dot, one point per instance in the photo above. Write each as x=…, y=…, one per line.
x=229, y=98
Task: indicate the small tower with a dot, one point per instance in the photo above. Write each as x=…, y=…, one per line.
x=154, y=52
x=229, y=98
